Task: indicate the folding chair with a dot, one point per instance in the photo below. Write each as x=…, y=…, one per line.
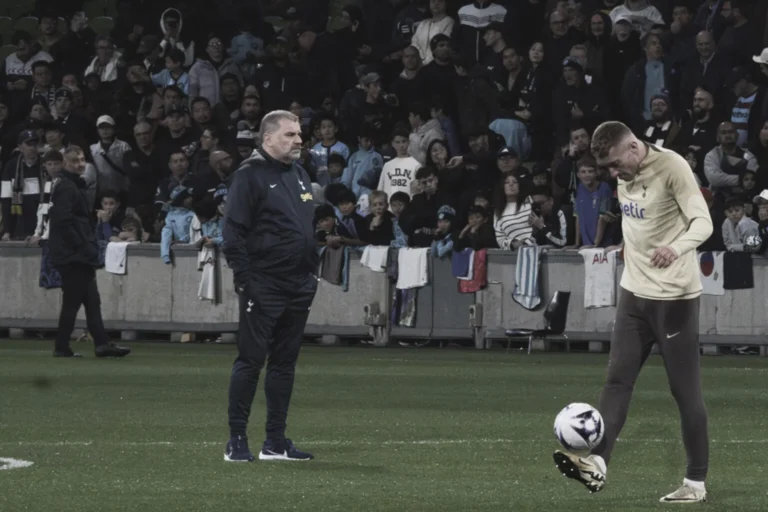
x=555, y=317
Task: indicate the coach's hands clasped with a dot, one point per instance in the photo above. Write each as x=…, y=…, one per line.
x=663, y=257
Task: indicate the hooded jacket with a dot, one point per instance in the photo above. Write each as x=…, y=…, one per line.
x=268, y=228
x=188, y=49
x=468, y=34
x=205, y=79
x=423, y=137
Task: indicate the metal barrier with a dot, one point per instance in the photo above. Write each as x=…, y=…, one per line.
x=153, y=296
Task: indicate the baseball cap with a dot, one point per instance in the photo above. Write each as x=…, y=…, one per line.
x=370, y=78
x=570, y=62
x=105, y=120
x=446, y=213
x=762, y=58
x=63, y=92
x=246, y=138
x=179, y=194
x=28, y=136
x=761, y=198
x=507, y=152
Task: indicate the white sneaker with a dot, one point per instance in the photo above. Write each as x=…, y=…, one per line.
x=590, y=470
x=686, y=494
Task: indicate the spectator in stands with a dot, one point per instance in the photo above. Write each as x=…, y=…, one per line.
x=640, y=14
x=380, y=227
x=330, y=144
x=110, y=217
x=759, y=148
x=246, y=48
x=420, y=220
x=550, y=227
x=108, y=156
x=699, y=134
x=49, y=32
x=171, y=23
x=75, y=50
x=437, y=111
x=737, y=227
x=709, y=70
x=439, y=76
x=598, y=39
x=439, y=23
x=250, y=113
x=42, y=83
x=174, y=73
x=576, y=101
x=205, y=75
x=398, y=175
x=715, y=240
x=493, y=37
x=662, y=128
x=409, y=86
x=180, y=177
x=535, y=104
x=478, y=233
x=580, y=53
x=22, y=180
x=327, y=229
x=18, y=65
x=512, y=209
x=336, y=166
x=54, y=138
x=591, y=197
x=211, y=223
x=566, y=169
x=477, y=96
x=620, y=55
x=646, y=79
x=144, y=167
x=364, y=166
x=106, y=62
x=748, y=187
x=399, y=203
x=442, y=245
x=682, y=38
x=741, y=39
x=352, y=227
x=177, y=222
x=278, y=78
x=750, y=108
x=53, y=162
x=425, y=130
x=560, y=41
x=726, y=162
x=473, y=19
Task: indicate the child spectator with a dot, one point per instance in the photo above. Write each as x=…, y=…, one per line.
x=399, y=174
x=737, y=227
x=748, y=185
x=548, y=222
x=541, y=175
x=174, y=73
x=591, y=195
x=354, y=224
x=211, y=223
x=442, y=246
x=328, y=144
x=177, y=222
x=512, y=210
x=336, y=165
x=380, y=222
x=329, y=231
x=110, y=217
x=478, y=233
x=131, y=231
x=482, y=199
x=364, y=166
x=398, y=202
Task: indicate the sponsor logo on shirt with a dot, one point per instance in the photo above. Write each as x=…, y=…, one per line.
x=632, y=210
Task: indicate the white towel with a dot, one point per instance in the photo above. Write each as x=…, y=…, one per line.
x=115, y=259
x=526, y=291
x=195, y=230
x=412, y=271
x=711, y=268
x=599, y=278
x=206, y=261
x=375, y=257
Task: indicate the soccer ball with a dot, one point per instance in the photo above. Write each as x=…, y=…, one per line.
x=579, y=428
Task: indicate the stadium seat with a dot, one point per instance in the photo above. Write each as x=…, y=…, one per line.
x=5, y=51
x=555, y=317
x=28, y=24
x=102, y=25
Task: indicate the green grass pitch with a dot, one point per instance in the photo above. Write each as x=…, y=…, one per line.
x=393, y=430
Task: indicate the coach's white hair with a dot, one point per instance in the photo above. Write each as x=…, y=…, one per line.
x=271, y=121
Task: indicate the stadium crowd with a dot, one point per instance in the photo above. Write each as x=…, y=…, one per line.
x=439, y=123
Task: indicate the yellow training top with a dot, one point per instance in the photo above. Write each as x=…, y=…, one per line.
x=663, y=206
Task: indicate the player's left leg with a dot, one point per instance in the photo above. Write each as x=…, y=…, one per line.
x=677, y=328
x=281, y=369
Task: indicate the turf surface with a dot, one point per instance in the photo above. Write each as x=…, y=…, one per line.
x=394, y=429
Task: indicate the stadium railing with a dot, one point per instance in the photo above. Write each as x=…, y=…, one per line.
x=155, y=297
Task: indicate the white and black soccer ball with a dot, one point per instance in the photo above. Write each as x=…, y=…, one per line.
x=579, y=428
x=753, y=243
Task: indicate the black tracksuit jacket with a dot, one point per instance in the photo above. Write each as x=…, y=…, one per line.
x=72, y=238
x=268, y=231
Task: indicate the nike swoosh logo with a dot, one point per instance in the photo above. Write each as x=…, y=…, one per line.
x=672, y=335
x=270, y=452
x=272, y=186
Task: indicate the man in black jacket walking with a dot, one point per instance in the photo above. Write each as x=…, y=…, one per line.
x=269, y=243
x=75, y=254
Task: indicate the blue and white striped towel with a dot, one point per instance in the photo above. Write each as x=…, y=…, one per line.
x=526, y=291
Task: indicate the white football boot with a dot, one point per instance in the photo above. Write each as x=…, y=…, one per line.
x=690, y=492
x=590, y=470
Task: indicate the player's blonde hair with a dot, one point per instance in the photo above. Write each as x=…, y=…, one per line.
x=607, y=136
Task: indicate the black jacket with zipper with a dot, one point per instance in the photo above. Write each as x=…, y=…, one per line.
x=72, y=238
x=268, y=228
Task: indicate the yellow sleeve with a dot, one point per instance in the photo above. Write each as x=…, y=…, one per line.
x=688, y=196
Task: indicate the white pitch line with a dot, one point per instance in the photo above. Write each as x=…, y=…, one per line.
x=7, y=463
x=390, y=442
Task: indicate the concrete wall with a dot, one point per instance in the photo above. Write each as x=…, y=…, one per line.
x=153, y=296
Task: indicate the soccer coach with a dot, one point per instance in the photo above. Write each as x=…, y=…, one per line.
x=269, y=243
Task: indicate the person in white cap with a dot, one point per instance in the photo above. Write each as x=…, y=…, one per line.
x=108, y=156
x=762, y=59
